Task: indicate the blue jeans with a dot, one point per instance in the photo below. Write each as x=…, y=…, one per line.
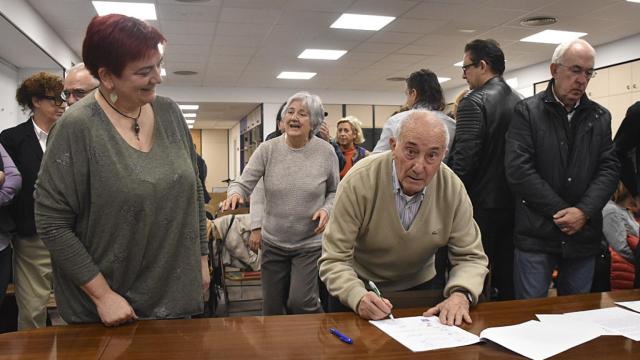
x=532, y=274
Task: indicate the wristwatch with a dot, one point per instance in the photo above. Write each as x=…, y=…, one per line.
x=466, y=294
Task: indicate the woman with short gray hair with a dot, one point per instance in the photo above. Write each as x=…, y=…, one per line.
x=300, y=173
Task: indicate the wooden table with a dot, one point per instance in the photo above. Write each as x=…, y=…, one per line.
x=300, y=336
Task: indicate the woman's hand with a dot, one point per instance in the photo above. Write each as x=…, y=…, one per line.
x=255, y=240
x=206, y=276
x=323, y=217
x=114, y=310
x=231, y=202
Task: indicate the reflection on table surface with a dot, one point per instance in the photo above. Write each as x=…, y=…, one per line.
x=300, y=336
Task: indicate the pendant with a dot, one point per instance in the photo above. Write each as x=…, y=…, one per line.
x=136, y=129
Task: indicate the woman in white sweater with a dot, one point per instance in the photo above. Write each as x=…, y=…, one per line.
x=300, y=174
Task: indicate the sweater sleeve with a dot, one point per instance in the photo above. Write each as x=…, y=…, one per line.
x=251, y=174
x=257, y=205
x=614, y=230
x=332, y=184
x=61, y=191
x=339, y=243
x=466, y=254
x=13, y=179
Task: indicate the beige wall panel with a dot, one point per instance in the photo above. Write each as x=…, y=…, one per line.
x=335, y=114
x=196, y=136
x=540, y=87
x=619, y=79
x=599, y=86
x=215, y=152
x=364, y=113
x=618, y=106
x=383, y=113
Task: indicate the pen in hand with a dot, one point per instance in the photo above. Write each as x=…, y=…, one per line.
x=373, y=287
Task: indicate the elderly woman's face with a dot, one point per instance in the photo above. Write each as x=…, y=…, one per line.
x=137, y=83
x=297, y=122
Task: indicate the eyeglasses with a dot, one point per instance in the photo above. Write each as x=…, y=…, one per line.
x=57, y=100
x=465, y=67
x=77, y=93
x=577, y=71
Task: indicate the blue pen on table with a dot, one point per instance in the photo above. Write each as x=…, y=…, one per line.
x=373, y=287
x=344, y=338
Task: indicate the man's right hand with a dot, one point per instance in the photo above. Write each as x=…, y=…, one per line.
x=114, y=310
x=372, y=307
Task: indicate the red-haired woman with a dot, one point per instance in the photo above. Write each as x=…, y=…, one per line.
x=119, y=204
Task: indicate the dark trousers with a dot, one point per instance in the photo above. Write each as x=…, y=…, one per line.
x=496, y=227
x=334, y=304
x=5, y=271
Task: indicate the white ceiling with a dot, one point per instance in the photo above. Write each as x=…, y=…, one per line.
x=247, y=43
x=27, y=55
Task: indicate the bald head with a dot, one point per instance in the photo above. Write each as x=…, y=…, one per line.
x=78, y=83
x=418, y=146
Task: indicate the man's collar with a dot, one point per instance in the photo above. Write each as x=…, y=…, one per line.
x=553, y=91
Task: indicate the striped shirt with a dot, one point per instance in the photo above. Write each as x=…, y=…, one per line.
x=407, y=206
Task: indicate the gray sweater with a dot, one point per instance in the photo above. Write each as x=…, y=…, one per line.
x=617, y=223
x=136, y=217
x=297, y=182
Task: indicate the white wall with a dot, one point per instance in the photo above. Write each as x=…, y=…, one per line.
x=608, y=54
x=33, y=26
x=269, y=113
x=9, y=108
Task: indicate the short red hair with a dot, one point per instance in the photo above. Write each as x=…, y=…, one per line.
x=112, y=41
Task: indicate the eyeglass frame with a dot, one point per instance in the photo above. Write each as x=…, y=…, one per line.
x=465, y=67
x=57, y=100
x=577, y=70
x=75, y=93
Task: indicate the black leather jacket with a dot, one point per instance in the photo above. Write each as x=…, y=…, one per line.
x=477, y=154
x=551, y=165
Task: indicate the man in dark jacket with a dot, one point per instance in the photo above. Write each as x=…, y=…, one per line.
x=561, y=166
x=477, y=157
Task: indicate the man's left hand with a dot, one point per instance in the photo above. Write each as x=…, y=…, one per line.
x=452, y=310
x=570, y=220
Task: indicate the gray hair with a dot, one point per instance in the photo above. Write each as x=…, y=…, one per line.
x=406, y=115
x=79, y=67
x=558, y=54
x=314, y=106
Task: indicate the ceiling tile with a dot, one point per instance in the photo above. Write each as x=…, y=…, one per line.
x=395, y=37
x=191, y=12
x=186, y=27
x=249, y=16
x=382, y=7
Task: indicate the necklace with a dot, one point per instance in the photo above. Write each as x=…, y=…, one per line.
x=136, y=127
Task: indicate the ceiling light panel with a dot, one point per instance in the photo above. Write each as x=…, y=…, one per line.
x=189, y=107
x=296, y=75
x=459, y=63
x=142, y=11
x=189, y=115
x=553, y=36
x=321, y=54
x=443, y=79
x=362, y=22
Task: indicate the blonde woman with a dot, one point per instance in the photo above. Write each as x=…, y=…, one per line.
x=349, y=137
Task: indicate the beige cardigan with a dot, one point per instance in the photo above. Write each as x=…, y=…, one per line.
x=365, y=239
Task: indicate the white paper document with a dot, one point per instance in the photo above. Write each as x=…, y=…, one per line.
x=419, y=333
x=632, y=305
x=539, y=340
x=617, y=321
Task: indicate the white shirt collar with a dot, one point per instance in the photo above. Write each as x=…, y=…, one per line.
x=41, y=135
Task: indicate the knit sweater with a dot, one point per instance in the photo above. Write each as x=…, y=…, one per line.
x=136, y=217
x=297, y=183
x=365, y=240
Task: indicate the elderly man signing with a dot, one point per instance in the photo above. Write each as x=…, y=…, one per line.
x=390, y=216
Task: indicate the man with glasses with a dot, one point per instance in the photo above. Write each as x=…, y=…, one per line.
x=561, y=166
x=78, y=83
x=477, y=157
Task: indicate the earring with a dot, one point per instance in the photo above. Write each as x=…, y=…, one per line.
x=113, y=97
